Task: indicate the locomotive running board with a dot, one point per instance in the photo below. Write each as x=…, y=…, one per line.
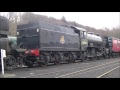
x=20, y=50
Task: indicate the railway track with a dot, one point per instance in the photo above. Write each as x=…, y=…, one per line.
x=70, y=73
x=86, y=70
x=94, y=69
x=108, y=72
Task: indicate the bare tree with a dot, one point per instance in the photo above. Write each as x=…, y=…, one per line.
x=13, y=19
x=28, y=16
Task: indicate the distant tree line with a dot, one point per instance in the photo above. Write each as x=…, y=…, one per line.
x=16, y=18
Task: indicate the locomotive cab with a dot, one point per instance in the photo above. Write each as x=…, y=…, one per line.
x=83, y=37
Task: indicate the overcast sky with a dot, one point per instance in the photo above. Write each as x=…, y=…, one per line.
x=97, y=20
x=94, y=19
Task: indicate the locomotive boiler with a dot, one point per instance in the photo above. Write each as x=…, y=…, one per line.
x=94, y=38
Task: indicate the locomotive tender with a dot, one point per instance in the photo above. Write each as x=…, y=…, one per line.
x=48, y=42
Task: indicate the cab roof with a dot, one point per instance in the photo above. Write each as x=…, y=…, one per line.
x=78, y=28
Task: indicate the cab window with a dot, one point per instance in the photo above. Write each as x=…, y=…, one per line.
x=83, y=34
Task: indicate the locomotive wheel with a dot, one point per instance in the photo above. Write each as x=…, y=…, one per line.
x=19, y=62
x=45, y=61
x=102, y=57
x=10, y=63
x=117, y=54
x=111, y=56
x=84, y=58
x=30, y=65
x=57, y=59
x=95, y=58
x=68, y=61
x=91, y=58
x=72, y=58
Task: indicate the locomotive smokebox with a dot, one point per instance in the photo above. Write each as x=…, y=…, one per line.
x=4, y=25
x=94, y=39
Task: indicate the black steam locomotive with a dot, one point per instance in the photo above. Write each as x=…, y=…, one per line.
x=13, y=52
x=50, y=43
